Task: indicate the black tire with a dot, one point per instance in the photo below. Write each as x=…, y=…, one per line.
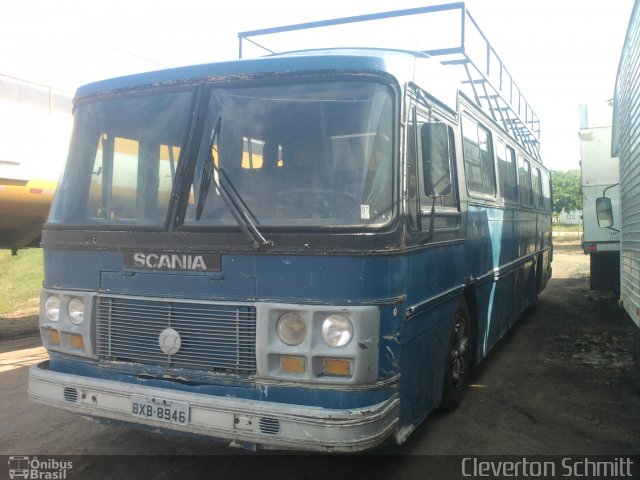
x=458, y=361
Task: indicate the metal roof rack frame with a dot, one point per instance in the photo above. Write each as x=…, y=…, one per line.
x=489, y=83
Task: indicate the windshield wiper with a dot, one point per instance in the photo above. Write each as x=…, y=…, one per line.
x=241, y=213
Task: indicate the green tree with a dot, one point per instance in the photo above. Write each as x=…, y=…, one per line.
x=567, y=194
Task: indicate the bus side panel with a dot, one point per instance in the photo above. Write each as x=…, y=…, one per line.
x=544, y=230
x=526, y=225
x=483, y=240
x=526, y=291
x=498, y=239
x=492, y=242
x=434, y=284
x=423, y=364
x=495, y=303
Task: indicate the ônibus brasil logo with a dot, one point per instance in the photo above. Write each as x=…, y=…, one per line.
x=36, y=469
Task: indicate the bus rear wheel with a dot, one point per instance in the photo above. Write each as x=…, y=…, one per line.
x=458, y=362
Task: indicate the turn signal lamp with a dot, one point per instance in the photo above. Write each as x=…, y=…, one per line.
x=336, y=367
x=76, y=341
x=292, y=364
x=54, y=337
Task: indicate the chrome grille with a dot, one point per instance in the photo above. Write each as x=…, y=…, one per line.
x=213, y=337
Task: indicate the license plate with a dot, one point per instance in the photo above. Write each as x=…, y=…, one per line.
x=160, y=409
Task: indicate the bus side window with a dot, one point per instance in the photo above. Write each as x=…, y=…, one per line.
x=478, y=158
x=524, y=180
x=508, y=172
x=546, y=191
x=537, y=187
x=447, y=199
x=436, y=158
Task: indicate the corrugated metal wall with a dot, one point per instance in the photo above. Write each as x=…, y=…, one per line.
x=626, y=145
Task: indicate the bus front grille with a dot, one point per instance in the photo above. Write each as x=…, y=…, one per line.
x=212, y=337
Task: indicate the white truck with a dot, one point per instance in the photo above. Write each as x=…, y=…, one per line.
x=626, y=145
x=600, y=177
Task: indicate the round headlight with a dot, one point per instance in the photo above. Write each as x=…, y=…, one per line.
x=76, y=311
x=52, y=308
x=337, y=330
x=291, y=328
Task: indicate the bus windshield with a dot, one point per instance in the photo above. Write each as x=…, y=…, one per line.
x=315, y=154
x=123, y=160
x=297, y=155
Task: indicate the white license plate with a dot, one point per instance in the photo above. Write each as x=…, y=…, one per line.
x=160, y=409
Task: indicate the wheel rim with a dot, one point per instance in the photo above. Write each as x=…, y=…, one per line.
x=458, y=352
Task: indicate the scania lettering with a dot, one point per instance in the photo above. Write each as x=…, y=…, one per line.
x=170, y=262
x=307, y=250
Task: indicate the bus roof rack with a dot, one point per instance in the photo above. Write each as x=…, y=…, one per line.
x=484, y=77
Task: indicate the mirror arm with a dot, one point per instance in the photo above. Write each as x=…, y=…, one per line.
x=610, y=186
x=432, y=218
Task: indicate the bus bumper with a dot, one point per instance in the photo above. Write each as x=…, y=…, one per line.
x=241, y=422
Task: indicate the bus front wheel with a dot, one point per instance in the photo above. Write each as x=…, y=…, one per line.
x=458, y=362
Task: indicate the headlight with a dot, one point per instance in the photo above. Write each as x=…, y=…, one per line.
x=52, y=308
x=76, y=311
x=291, y=328
x=337, y=331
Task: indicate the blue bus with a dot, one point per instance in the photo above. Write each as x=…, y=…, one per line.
x=308, y=250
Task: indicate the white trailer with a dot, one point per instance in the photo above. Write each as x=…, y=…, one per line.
x=600, y=177
x=626, y=145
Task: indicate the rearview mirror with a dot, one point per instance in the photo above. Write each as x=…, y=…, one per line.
x=436, y=155
x=604, y=212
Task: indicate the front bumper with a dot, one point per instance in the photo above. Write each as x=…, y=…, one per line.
x=239, y=421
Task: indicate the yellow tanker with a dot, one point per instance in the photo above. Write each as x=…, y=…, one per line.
x=35, y=125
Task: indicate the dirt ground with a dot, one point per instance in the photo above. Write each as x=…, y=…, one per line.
x=21, y=323
x=560, y=383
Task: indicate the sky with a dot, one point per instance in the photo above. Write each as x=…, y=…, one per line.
x=561, y=53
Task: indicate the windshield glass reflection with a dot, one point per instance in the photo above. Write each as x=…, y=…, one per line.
x=299, y=155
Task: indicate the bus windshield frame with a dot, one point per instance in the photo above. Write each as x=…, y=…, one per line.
x=310, y=154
